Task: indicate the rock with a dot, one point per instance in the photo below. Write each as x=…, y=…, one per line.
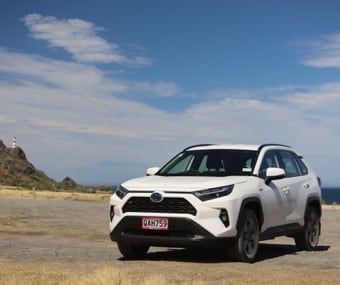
x=68, y=183
x=17, y=152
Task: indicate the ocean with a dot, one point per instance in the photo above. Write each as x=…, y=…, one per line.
x=331, y=195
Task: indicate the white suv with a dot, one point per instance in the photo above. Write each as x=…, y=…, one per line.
x=226, y=196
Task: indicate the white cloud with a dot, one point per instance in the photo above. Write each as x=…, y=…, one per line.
x=157, y=89
x=70, y=96
x=70, y=117
x=29, y=69
x=317, y=101
x=324, y=52
x=79, y=38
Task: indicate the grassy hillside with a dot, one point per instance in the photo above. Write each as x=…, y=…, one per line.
x=16, y=170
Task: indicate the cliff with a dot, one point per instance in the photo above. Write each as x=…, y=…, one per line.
x=16, y=170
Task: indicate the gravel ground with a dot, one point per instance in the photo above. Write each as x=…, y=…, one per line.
x=75, y=235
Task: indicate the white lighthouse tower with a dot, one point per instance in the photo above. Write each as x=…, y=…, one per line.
x=14, y=142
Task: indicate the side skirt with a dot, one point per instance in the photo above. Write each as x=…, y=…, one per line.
x=285, y=230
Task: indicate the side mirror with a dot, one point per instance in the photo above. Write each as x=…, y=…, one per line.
x=152, y=171
x=273, y=174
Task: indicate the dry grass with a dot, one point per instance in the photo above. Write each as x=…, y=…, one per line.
x=332, y=206
x=67, y=274
x=14, y=192
x=58, y=273
x=110, y=275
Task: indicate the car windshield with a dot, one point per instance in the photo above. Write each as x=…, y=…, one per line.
x=217, y=162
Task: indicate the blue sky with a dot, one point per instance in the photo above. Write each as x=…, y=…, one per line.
x=101, y=90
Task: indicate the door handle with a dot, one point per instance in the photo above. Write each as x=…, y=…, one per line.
x=286, y=189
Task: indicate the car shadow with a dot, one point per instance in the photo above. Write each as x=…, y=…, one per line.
x=199, y=255
x=271, y=251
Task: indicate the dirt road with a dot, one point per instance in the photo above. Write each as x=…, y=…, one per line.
x=62, y=238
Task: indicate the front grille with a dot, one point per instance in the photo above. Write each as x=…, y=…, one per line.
x=168, y=205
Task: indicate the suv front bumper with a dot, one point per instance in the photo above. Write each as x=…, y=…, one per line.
x=182, y=232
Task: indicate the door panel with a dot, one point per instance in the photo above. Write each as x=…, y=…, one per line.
x=276, y=195
x=277, y=201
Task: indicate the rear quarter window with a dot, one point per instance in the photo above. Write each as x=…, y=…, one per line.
x=302, y=166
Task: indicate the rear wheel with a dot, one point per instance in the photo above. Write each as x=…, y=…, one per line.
x=309, y=238
x=132, y=251
x=247, y=241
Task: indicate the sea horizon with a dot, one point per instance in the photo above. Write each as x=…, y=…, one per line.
x=331, y=195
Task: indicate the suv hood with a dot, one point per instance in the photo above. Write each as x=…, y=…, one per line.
x=180, y=183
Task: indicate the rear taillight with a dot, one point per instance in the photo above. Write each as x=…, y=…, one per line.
x=112, y=213
x=319, y=181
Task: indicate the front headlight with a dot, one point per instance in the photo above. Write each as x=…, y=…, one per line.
x=121, y=192
x=214, y=193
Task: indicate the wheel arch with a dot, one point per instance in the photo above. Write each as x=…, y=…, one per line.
x=315, y=203
x=254, y=204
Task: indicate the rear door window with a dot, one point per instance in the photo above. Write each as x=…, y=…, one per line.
x=289, y=163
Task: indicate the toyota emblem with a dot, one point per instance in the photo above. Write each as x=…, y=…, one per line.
x=156, y=197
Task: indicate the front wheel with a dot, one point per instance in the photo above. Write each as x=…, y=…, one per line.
x=247, y=240
x=309, y=238
x=132, y=251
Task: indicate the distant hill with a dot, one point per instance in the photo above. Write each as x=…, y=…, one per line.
x=16, y=170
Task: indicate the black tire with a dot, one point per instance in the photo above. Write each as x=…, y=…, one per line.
x=309, y=238
x=132, y=251
x=247, y=241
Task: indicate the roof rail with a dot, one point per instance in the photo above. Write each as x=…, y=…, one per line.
x=197, y=145
x=273, y=144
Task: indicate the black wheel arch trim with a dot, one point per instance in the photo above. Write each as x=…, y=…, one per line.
x=315, y=202
x=253, y=203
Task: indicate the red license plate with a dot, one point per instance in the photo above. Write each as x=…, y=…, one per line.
x=161, y=224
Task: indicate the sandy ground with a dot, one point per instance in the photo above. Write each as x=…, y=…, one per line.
x=51, y=240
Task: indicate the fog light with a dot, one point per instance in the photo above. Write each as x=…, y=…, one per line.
x=112, y=213
x=224, y=217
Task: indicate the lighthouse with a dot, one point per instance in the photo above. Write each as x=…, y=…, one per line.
x=14, y=142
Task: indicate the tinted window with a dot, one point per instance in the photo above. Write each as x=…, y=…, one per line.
x=292, y=164
x=303, y=168
x=289, y=163
x=270, y=159
x=211, y=163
